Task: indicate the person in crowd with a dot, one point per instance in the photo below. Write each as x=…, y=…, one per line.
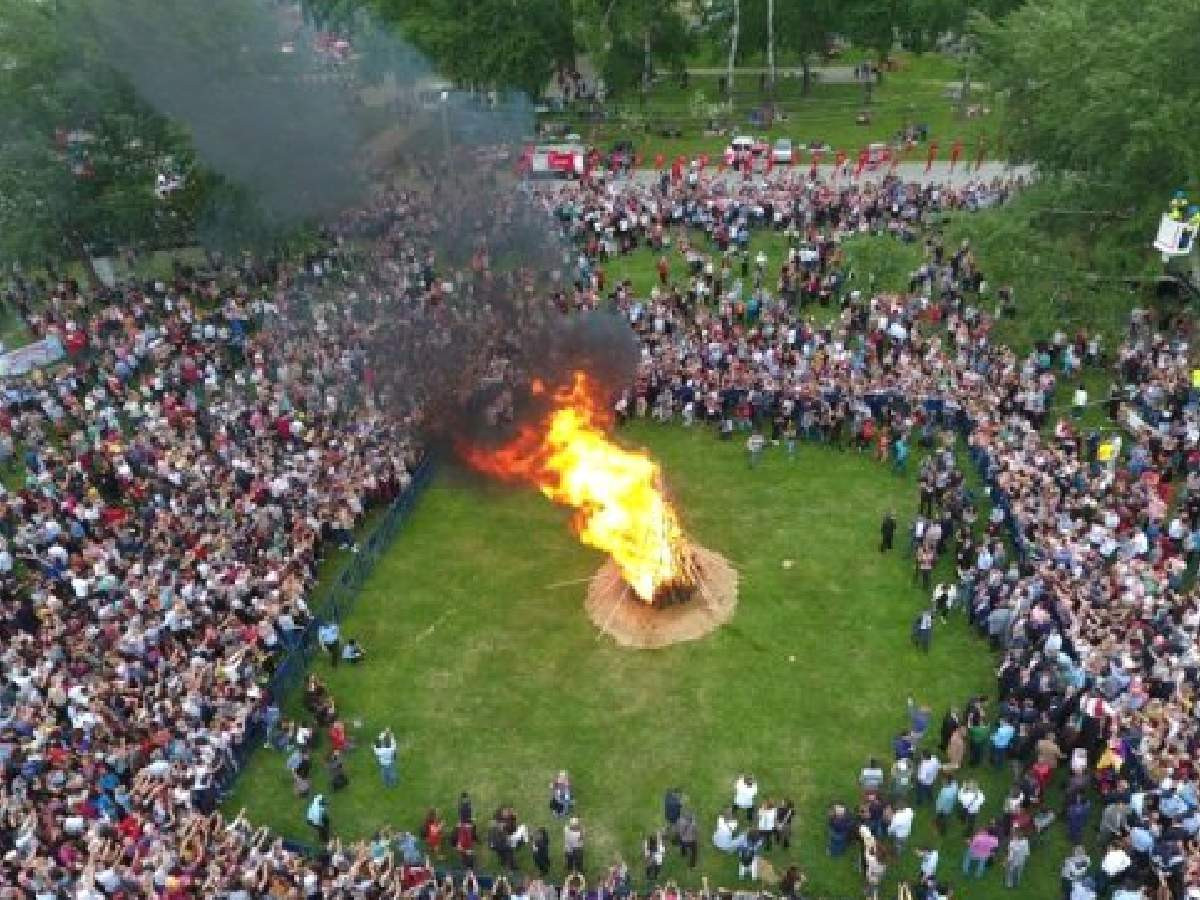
x=541, y=851
x=688, y=834
x=654, y=851
x=573, y=838
x=353, y=652
x=318, y=818
x=329, y=636
x=745, y=791
x=385, y=756
x=1016, y=856
x=561, y=797
x=887, y=531
x=980, y=849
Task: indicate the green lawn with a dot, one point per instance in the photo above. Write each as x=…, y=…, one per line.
x=912, y=95
x=482, y=660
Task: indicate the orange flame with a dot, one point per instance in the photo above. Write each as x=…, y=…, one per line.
x=619, y=505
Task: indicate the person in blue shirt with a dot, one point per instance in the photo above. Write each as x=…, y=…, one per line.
x=1002, y=739
x=329, y=637
x=947, y=799
x=1077, y=814
x=353, y=652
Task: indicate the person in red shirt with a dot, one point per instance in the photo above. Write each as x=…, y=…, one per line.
x=431, y=833
x=464, y=842
x=337, y=736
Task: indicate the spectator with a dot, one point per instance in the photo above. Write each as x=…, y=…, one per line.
x=745, y=790
x=318, y=818
x=561, y=797
x=573, y=845
x=980, y=848
x=353, y=652
x=385, y=757
x=1015, y=859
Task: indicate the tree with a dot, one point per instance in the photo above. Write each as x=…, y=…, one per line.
x=628, y=38
x=503, y=44
x=803, y=29
x=80, y=152
x=1102, y=92
x=735, y=26
x=874, y=24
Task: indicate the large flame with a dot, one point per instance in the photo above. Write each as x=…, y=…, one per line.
x=620, y=507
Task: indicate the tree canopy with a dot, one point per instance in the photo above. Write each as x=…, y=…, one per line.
x=80, y=151
x=1103, y=91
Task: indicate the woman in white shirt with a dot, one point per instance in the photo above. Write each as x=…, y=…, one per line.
x=766, y=822
x=745, y=789
x=725, y=837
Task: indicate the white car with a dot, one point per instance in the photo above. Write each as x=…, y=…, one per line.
x=782, y=153
x=742, y=144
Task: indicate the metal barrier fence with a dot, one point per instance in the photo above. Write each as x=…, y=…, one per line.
x=332, y=603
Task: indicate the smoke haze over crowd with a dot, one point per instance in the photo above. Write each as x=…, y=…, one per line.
x=311, y=130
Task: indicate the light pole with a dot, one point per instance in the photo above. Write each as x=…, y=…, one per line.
x=446, y=125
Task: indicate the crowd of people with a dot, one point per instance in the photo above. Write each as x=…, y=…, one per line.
x=212, y=435
x=1079, y=575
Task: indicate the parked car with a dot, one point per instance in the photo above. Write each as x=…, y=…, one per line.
x=742, y=144
x=782, y=153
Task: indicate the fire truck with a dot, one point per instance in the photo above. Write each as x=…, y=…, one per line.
x=553, y=160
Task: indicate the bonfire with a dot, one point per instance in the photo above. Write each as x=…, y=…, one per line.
x=657, y=588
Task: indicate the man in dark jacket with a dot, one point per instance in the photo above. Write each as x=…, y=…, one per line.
x=685, y=828
x=887, y=532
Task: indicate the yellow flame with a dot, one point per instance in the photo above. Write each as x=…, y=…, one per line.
x=617, y=495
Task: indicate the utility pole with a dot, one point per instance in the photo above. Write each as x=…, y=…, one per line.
x=446, y=124
x=733, y=44
x=647, y=70
x=771, y=48
x=968, y=51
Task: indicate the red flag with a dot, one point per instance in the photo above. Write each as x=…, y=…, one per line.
x=979, y=155
x=816, y=161
x=933, y=148
x=862, y=162
x=955, y=153
x=659, y=159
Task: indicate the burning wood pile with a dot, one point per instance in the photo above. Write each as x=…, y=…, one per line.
x=657, y=588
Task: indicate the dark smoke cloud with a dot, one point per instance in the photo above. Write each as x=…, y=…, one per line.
x=273, y=121
x=298, y=131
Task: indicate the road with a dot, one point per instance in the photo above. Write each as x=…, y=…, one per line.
x=824, y=74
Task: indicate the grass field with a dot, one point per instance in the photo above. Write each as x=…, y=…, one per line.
x=483, y=662
x=912, y=95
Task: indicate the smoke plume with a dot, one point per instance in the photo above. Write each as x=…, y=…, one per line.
x=313, y=126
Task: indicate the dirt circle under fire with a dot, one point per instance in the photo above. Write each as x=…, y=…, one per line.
x=618, y=612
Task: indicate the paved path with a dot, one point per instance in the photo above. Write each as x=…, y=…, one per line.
x=823, y=74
